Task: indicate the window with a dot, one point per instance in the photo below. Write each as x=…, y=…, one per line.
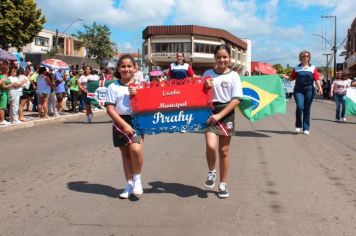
x=41, y=41
x=171, y=47
x=204, y=48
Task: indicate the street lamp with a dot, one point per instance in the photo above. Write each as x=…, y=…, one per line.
x=334, y=47
x=77, y=19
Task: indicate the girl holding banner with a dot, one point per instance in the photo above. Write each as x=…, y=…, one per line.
x=119, y=109
x=227, y=88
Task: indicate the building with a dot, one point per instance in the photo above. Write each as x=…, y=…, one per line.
x=69, y=49
x=350, y=55
x=161, y=43
x=262, y=68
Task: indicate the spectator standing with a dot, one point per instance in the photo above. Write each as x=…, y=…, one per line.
x=14, y=94
x=44, y=86
x=305, y=75
x=338, y=89
x=33, y=80
x=74, y=90
x=5, y=84
x=24, y=77
x=60, y=78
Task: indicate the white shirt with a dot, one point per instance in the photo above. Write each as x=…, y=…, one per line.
x=226, y=86
x=119, y=96
x=84, y=79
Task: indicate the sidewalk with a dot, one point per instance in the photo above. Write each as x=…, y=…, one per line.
x=34, y=120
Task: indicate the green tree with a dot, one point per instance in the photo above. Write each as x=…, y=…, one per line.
x=96, y=40
x=279, y=68
x=20, y=22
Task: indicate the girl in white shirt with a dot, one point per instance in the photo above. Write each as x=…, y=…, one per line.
x=118, y=106
x=227, y=88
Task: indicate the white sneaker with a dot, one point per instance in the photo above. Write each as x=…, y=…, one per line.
x=4, y=122
x=306, y=132
x=127, y=191
x=16, y=122
x=298, y=130
x=137, y=186
x=343, y=119
x=223, y=192
x=56, y=114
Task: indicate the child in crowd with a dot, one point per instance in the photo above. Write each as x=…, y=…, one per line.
x=119, y=109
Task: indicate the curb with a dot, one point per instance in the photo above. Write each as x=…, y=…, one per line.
x=33, y=123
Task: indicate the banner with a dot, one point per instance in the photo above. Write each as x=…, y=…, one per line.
x=350, y=107
x=171, y=106
x=97, y=91
x=263, y=96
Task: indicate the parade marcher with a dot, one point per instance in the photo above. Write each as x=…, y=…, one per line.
x=180, y=69
x=82, y=82
x=43, y=91
x=305, y=75
x=227, y=89
x=52, y=100
x=119, y=109
x=338, y=89
x=138, y=76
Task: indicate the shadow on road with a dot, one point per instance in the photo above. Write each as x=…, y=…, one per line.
x=333, y=121
x=278, y=132
x=250, y=134
x=85, y=187
x=181, y=190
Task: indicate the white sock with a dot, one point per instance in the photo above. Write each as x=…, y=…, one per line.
x=212, y=171
x=130, y=182
x=138, y=176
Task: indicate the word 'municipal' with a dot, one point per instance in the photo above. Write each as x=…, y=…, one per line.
x=180, y=117
x=170, y=93
x=173, y=105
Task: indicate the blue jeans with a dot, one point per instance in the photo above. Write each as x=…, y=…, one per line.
x=340, y=99
x=303, y=98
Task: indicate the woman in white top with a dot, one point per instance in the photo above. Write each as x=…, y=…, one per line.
x=338, y=89
x=15, y=93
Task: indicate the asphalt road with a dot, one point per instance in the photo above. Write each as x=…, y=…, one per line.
x=64, y=178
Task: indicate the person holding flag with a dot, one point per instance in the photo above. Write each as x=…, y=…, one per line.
x=227, y=89
x=305, y=75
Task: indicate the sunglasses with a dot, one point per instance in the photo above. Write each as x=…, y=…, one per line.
x=305, y=56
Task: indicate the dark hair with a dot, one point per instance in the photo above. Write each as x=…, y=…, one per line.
x=4, y=69
x=222, y=47
x=20, y=71
x=182, y=55
x=123, y=57
x=41, y=70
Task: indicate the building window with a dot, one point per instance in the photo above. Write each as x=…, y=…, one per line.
x=41, y=41
x=171, y=47
x=204, y=48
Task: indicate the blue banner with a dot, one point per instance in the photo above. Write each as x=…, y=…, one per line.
x=171, y=121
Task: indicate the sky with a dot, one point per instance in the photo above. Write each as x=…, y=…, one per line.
x=278, y=29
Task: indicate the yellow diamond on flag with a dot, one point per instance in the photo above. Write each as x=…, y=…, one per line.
x=265, y=97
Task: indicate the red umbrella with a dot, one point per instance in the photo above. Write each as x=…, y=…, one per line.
x=55, y=64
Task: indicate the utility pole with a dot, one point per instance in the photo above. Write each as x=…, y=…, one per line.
x=334, y=48
x=327, y=65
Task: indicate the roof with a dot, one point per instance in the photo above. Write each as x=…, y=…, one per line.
x=193, y=30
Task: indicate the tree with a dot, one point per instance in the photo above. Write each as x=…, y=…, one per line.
x=20, y=22
x=279, y=68
x=96, y=40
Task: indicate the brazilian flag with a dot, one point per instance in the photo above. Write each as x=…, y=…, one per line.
x=263, y=96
